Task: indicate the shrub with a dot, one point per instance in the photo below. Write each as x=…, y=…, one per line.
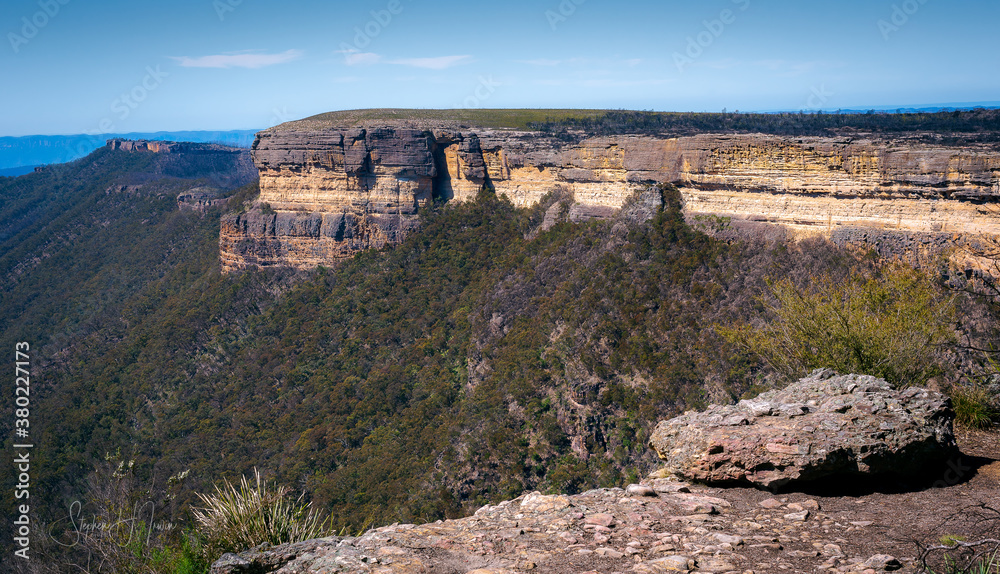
x=887, y=323
x=120, y=532
x=236, y=518
x=187, y=558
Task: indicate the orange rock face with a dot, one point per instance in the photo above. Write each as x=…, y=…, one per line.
x=327, y=193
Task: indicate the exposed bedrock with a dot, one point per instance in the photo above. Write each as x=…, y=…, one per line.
x=370, y=180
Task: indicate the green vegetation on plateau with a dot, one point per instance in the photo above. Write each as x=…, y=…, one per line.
x=955, y=127
x=486, y=118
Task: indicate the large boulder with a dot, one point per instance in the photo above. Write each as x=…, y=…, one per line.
x=823, y=425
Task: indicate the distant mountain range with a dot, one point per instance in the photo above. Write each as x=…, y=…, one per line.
x=918, y=109
x=16, y=171
x=19, y=155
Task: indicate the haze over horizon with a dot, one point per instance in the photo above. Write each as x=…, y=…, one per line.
x=119, y=67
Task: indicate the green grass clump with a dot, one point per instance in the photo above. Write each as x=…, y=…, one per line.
x=973, y=406
x=238, y=517
x=986, y=565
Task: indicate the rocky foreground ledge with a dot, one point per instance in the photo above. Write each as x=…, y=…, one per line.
x=661, y=526
x=665, y=524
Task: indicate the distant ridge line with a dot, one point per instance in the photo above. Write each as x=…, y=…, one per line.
x=33, y=150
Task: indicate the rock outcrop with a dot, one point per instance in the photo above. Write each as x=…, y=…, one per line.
x=380, y=171
x=119, y=144
x=824, y=425
x=200, y=199
x=660, y=527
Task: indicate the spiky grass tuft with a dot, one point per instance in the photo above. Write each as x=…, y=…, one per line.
x=238, y=517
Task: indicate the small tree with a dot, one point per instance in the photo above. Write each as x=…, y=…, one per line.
x=888, y=323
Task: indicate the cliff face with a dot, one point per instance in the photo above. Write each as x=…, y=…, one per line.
x=327, y=192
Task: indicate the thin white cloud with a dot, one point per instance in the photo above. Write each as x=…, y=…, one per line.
x=590, y=62
x=239, y=60
x=355, y=57
x=439, y=63
x=592, y=82
x=616, y=83
x=723, y=64
x=791, y=68
x=362, y=58
x=782, y=68
x=540, y=62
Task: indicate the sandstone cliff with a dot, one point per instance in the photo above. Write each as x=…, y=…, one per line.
x=328, y=190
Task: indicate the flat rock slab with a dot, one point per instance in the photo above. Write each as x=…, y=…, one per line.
x=823, y=425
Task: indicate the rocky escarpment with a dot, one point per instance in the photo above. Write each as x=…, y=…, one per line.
x=169, y=147
x=334, y=189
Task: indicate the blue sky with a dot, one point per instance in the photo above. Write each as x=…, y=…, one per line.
x=75, y=66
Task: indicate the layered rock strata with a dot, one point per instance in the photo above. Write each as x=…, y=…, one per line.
x=334, y=190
